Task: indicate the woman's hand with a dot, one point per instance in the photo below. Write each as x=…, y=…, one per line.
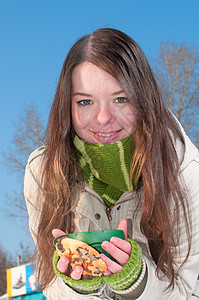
x=63, y=262
x=118, y=249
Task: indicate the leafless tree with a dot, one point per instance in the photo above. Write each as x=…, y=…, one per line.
x=29, y=132
x=28, y=136
x=6, y=262
x=177, y=69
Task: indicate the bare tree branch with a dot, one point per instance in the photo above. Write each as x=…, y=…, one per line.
x=177, y=70
x=29, y=135
x=6, y=262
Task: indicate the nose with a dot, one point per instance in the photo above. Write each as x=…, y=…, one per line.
x=104, y=115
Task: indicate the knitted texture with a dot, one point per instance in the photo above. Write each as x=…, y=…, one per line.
x=130, y=272
x=119, y=281
x=84, y=285
x=106, y=167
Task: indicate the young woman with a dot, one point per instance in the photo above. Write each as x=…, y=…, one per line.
x=115, y=157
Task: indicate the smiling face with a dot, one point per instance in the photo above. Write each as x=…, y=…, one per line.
x=101, y=113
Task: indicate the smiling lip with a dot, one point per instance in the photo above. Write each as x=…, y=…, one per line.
x=106, y=134
x=107, y=137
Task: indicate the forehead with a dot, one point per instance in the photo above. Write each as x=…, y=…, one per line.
x=90, y=78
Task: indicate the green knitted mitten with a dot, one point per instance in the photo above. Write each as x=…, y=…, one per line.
x=130, y=272
x=84, y=285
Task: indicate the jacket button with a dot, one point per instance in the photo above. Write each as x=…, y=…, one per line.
x=97, y=216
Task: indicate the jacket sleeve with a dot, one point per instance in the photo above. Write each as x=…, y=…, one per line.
x=31, y=189
x=60, y=291
x=185, y=283
x=57, y=289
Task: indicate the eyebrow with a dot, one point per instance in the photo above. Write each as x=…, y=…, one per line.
x=89, y=95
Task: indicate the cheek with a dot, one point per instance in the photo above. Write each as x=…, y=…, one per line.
x=132, y=118
x=80, y=119
x=128, y=117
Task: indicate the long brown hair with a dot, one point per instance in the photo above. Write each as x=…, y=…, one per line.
x=155, y=161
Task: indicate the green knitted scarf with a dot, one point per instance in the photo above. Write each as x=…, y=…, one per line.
x=106, y=167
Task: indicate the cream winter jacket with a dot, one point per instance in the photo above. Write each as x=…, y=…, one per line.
x=90, y=214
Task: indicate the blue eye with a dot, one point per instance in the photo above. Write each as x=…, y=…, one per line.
x=121, y=100
x=85, y=102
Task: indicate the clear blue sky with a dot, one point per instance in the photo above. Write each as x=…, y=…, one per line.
x=34, y=39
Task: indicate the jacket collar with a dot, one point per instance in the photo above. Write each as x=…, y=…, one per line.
x=186, y=151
